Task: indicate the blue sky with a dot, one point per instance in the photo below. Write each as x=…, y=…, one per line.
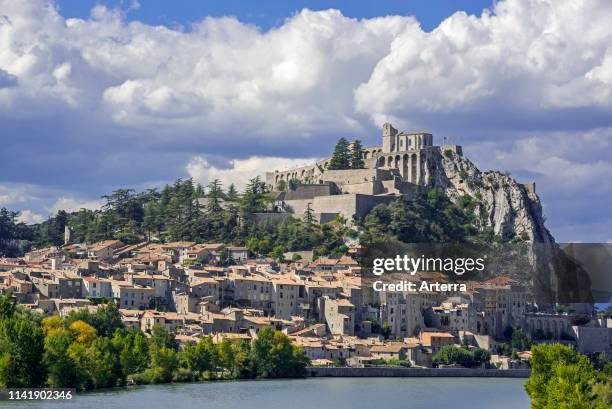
x=100, y=95
x=267, y=14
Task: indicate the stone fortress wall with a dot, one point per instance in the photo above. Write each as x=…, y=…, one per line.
x=403, y=162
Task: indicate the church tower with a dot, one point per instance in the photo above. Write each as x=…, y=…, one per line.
x=389, y=134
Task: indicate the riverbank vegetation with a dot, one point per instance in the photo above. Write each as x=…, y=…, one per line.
x=94, y=350
x=453, y=355
x=564, y=378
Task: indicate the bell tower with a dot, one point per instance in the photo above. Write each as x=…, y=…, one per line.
x=389, y=134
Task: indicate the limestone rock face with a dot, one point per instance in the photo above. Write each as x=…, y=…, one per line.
x=507, y=207
x=512, y=209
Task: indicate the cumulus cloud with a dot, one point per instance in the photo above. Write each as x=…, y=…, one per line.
x=71, y=204
x=27, y=216
x=240, y=170
x=7, y=80
x=15, y=194
x=543, y=55
x=89, y=105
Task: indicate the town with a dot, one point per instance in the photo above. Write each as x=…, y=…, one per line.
x=319, y=303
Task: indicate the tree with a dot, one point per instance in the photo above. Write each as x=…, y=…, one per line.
x=198, y=357
x=60, y=366
x=385, y=330
x=105, y=321
x=160, y=337
x=562, y=378
x=11, y=232
x=215, y=194
x=281, y=186
x=452, y=355
x=164, y=361
x=356, y=153
x=232, y=193
x=278, y=253
x=226, y=354
x=21, y=352
x=341, y=158
x=274, y=356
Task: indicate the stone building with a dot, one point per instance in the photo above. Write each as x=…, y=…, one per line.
x=404, y=161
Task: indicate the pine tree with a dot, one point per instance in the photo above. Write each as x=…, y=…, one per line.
x=309, y=217
x=232, y=193
x=215, y=193
x=341, y=157
x=356, y=159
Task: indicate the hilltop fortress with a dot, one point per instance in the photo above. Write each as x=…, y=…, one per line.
x=404, y=161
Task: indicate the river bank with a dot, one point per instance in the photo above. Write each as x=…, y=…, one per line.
x=387, y=372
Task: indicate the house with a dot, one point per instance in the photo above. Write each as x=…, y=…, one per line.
x=95, y=287
x=103, y=250
x=238, y=253
x=436, y=340
x=339, y=315
x=132, y=296
x=391, y=350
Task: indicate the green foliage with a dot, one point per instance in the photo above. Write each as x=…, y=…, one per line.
x=278, y=253
x=11, y=231
x=452, y=355
x=385, y=330
x=356, y=161
x=341, y=158
x=274, y=356
x=89, y=351
x=429, y=217
x=21, y=351
x=563, y=378
x=281, y=186
x=519, y=340
x=105, y=321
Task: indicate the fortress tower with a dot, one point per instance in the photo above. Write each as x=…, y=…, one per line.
x=404, y=161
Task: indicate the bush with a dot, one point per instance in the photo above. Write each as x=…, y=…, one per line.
x=452, y=355
x=139, y=378
x=183, y=375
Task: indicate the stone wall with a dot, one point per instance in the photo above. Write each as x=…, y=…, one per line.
x=416, y=372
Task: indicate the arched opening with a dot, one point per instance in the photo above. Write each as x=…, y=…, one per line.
x=405, y=160
x=381, y=162
x=390, y=161
x=413, y=168
x=397, y=162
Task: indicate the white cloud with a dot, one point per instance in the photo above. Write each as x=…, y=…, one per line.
x=240, y=170
x=29, y=217
x=528, y=55
x=317, y=72
x=565, y=163
x=17, y=194
x=111, y=99
x=71, y=204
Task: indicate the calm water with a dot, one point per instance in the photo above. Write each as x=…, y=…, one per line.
x=337, y=393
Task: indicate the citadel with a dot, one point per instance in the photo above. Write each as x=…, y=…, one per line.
x=404, y=162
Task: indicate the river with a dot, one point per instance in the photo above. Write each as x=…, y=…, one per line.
x=337, y=393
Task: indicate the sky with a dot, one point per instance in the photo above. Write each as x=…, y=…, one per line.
x=96, y=96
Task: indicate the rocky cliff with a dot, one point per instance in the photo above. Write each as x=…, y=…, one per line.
x=509, y=208
x=512, y=210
